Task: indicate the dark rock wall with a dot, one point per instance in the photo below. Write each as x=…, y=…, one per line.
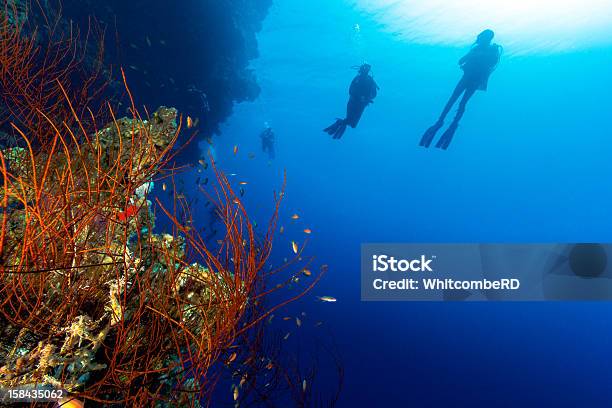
x=193, y=54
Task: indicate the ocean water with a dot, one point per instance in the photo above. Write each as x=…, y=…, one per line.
x=530, y=163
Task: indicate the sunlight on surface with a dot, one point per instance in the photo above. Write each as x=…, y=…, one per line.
x=523, y=26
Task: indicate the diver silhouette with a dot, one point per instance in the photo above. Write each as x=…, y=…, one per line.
x=362, y=92
x=267, y=141
x=477, y=67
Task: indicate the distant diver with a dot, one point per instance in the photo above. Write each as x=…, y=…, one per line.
x=362, y=92
x=477, y=66
x=267, y=141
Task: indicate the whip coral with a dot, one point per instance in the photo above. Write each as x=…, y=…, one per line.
x=101, y=305
x=92, y=299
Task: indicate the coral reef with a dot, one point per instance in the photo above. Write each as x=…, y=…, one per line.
x=94, y=301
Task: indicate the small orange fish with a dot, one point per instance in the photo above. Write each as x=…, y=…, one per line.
x=307, y=272
x=189, y=122
x=287, y=318
x=243, y=183
x=235, y=149
x=231, y=358
x=130, y=211
x=270, y=366
x=307, y=231
x=295, y=217
x=294, y=247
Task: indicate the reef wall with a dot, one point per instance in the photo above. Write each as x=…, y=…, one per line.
x=195, y=53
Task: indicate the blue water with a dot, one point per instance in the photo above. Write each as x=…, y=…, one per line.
x=530, y=163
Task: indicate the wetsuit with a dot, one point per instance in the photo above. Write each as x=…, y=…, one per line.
x=362, y=92
x=477, y=66
x=267, y=142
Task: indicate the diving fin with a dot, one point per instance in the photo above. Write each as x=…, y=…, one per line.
x=340, y=130
x=430, y=134
x=333, y=128
x=447, y=136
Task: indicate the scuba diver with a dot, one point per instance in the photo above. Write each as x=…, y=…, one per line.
x=477, y=66
x=267, y=141
x=362, y=92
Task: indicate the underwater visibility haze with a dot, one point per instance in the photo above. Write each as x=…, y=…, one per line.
x=529, y=163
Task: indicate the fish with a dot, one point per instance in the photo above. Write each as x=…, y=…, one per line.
x=286, y=336
x=307, y=272
x=148, y=40
x=134, y=46
x=202, y=162
x=189, y=122
x=304, y=385
x=162, y=42
x=286, y=318
x=251, y=156
x=130, y=211
x=327, y=299
x=298, y=322
x=134, y=67
x=295, y=217
x=236, y=393
x=172, y=80
x=317, y=324
x=294, y=247
x=235, y=149
x=270, y=366
x=282, y=229
x=231, y=358
x=241, y=192
x=307, y=231
x=270, y=318
x=243, y=183
x=164, y=186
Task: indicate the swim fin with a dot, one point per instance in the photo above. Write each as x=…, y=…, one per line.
x=340, y=131
x=334, y=128
x=447, y=136
x=431, y=133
